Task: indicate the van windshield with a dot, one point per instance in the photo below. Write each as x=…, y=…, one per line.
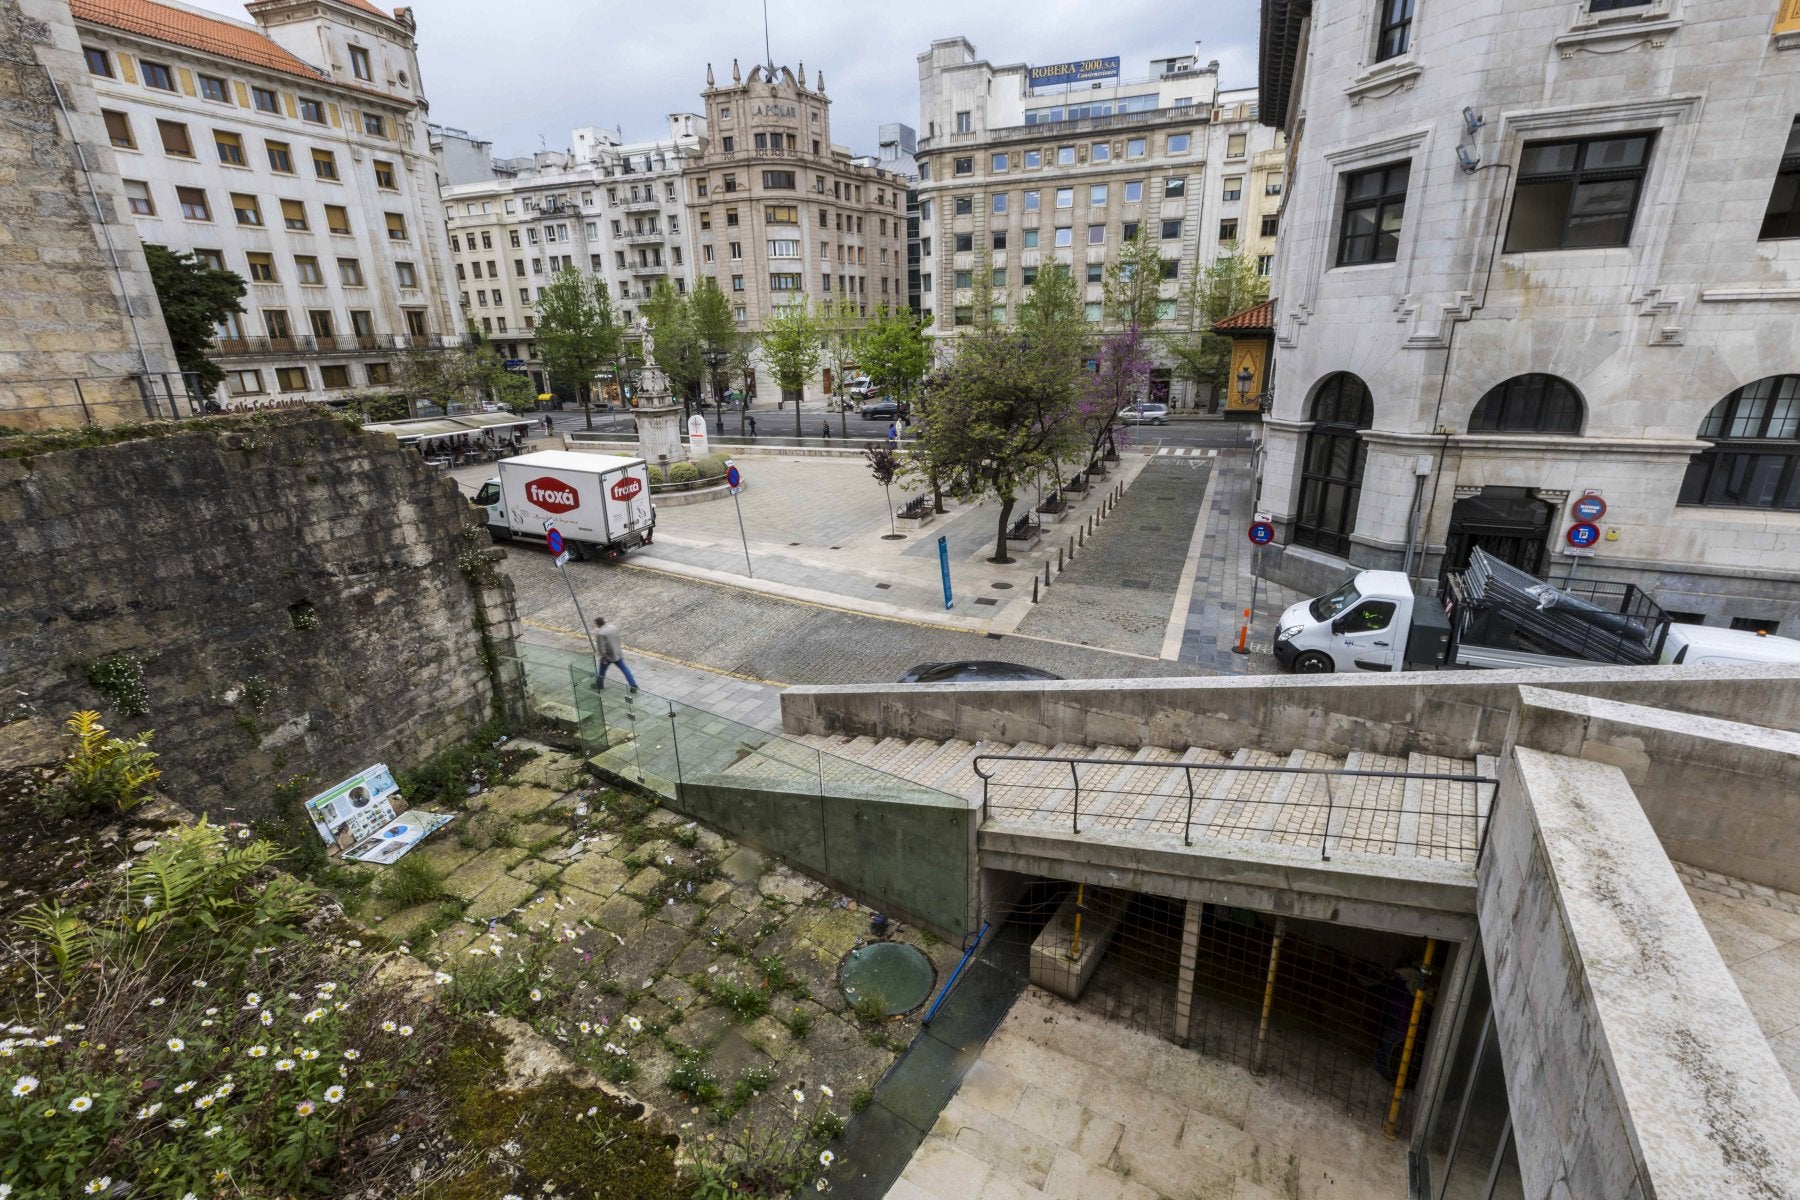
x=1333, y=603
x=489, y=494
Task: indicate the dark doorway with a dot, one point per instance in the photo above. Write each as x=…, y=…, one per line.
x=1508, y=522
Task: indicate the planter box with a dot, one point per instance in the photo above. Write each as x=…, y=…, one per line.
x=919, y=522
x=1052, y=518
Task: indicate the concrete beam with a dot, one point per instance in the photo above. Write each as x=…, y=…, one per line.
x=1723, y=795
x=1426, y=899
x=1633, y=1066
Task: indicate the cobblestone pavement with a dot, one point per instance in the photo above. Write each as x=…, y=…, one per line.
x=1223, y=581
x=1118, y=592
x=719, y=628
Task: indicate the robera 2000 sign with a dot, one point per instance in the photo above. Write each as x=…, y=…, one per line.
x=1074, y=72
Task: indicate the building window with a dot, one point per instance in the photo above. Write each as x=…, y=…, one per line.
x=964, y=121
x=1264, y=264
x=1171, y=230
x=1034, y=159
x=1331, y=468
x=1029, y=239
x=1233, y=189
x=1269, y=226
x=157, y=76
x=281, y=160
x=230, y=147
x=350, y=272
x=1065, y=237
x=784, y=282
x=1578, y=193
x=137, y=194
x=1134, y=191
x=377, y=373
x=778, y=214
x=244, y=383
x=359, y=64
x=1614, y=5
x=737, y=283
x=1177, y=186
x=1097, y=195
x=337, y=219
x=312, y=110
x=784, y=247
x=1096, y=236
x=306, y=268
x=291, y=379
x=1171, y=268
x=396, y=227
x=1528, y=404
x=213, y=88
x=98, y=61
x=1234, y=144
x=193, y=204
x=1165, y=310
x=262, y=269
x=1394, y=34
x=964, y=205
x=964, y=166
x=998, y=163
x=965, y=241
x=374, y=124
x=1755, y=436
x=735, y=249
x=336, y=375
x=1065, y=197
x=1228, y=230
x=1092, y=310
x=779, y=179
x=320, y=320
x=999, y=202
x=1129, y=231
x=728, y=143
x=1374, y=205
x=118, y=129
x=265, y=100
x=324, y=164
x=417, y=324
x=1096, y=272
x=1782, y=218
x=293, y=214
x=212, y=260
x=246, y=209
x=1179, y=143
x=384, y=176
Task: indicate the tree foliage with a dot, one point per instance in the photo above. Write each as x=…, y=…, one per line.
x=717, y=330
x=893, y=351
x=578, y=330
x=446, y=377
x=1230, y=285
x=195, y=299
x=1133, y=284
x=1122, y=377
x=792, y=347
x=840, y=323
x=677, y=342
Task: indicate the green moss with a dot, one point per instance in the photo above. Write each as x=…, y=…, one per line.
x=612, y=1155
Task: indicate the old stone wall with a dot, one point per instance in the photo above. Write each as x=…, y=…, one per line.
x=294, y=589
x=78, y=304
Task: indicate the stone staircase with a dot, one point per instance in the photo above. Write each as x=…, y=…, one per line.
x=1136, y=792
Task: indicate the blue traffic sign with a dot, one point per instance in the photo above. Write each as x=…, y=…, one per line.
x=1262, y=533
x=554, y=540
x=944, y=568
x=1582, y=533
x=1590, y=508
x=733, y=476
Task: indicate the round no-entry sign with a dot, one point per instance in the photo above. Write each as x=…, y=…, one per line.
x=733, y=476
x=553, y=539
x=1583, y=533
x=1590, y=508
x=1262, y=533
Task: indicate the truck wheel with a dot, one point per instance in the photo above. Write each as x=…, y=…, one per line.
x=578, y=551
x=1313, y=663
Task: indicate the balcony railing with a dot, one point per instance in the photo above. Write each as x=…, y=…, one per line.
x=644, y=204
x=649, y=235
x=249, y=347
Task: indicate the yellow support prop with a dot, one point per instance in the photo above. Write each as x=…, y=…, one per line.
x=1390, y=1128
x=1075, y=940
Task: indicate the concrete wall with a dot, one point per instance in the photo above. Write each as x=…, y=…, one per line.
x=1443, y=712
x=1720, y=794
x=192, y=551
x=78, y=301
x=912, y=861
x=1633, y=1066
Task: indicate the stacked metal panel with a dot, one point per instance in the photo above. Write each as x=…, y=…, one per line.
x=1564, y=623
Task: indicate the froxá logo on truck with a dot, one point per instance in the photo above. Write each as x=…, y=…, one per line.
x=552, y=495
x=627, y=487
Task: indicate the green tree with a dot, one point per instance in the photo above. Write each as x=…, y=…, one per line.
x=1133, y=284
x=577, y=332
x=1230, y=285
x=840, y=323
x=1003, y=410
x=195, y=298
x=445, y=377
x=679, y=348
x=718, y=335
x=791, y=348
x=895, y=354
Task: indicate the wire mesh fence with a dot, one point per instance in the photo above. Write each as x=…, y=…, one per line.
x=1327, y=1007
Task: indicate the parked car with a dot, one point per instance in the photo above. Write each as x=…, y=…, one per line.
x=885, y=409
x=977, y=671
x=1145, y=414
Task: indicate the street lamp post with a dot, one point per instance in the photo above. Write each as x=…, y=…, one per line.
x=714, y=359
x=1244, y=379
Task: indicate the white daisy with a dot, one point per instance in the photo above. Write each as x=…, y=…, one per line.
x=27, y=1084
x=257, y=1051
x=333, y=1094
x=96, y=1186
x=285, y=1064
x=81, y=1104
x=176, y=1045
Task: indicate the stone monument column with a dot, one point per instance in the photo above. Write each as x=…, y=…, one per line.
x=658, y=416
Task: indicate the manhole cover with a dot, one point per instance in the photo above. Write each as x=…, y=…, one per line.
x=1001, y=587
x=793, y=543
x=992, y=637
x=986, y=600
x=883, y=586
x=887, y=977
x=1136, y=583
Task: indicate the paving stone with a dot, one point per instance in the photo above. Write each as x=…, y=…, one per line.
x=551, y=770
x=469, y=879
x=500, y=897
x=784, y=883
x=597, y=873
x=710, y=894
x=646, y=954
x=535, y=871
x=643, y=883
x=838, y=932
x=622, y=915
x=519, y=800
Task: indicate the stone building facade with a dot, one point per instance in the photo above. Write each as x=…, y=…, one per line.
x=780, y=215
x=1535, y=254
x=1013, y=178
x=81, y=332
x=291, y=151
x=604, y=208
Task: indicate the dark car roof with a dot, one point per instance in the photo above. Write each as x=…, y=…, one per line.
x=974, y=671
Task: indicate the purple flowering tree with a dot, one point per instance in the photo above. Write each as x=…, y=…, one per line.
x=1122, y=378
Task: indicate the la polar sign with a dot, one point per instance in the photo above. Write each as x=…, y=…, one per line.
x=626, y=488
x=552, y=494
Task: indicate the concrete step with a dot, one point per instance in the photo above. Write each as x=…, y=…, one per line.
x=1135, y=786
x=1367, y=821
x=1051, y=790
x=1307, y=801
x=1244, y=796
x=906, y=763
x=1168, y=804
x=959, y=778
x=949, y=755
x=1445, y=822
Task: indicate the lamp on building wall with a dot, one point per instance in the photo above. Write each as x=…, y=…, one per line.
x=1245, y=377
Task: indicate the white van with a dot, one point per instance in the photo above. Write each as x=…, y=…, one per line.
x=1706, y=646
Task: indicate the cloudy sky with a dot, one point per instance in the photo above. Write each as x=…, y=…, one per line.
x=515, y=72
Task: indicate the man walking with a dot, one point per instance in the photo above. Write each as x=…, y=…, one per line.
x=611, y=654
x=752, y=421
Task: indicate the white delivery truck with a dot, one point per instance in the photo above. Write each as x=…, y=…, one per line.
x=1495, y=615
x=600, y=503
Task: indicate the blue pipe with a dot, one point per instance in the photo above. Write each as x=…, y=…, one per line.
x=955, y=975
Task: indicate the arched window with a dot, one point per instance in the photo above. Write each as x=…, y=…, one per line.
x=1754, y=461
x=1331, y=470
x=1528, y=404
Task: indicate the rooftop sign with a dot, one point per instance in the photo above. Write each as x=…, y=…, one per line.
x=1074, y=72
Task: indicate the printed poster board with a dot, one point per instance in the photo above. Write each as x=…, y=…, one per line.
x=365, y=819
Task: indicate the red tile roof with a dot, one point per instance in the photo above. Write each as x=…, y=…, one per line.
x=182, y=28
x=1258, y=318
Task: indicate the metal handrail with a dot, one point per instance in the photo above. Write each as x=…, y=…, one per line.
x=1188, y=769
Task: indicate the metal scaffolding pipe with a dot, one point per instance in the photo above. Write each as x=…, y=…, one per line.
x=1260, y=1055
x=1390, y=1127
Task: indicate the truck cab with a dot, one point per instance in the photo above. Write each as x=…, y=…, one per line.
x=1709, y=646
x=1362, y=625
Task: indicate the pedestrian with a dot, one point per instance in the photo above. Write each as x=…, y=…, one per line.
x=827, y=433
x=752, y=421
x=549, y=423
x=892, y=438
x=611, y=654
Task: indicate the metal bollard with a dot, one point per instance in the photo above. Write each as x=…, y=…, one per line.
x=1059, y=565
x=1034, y=585
x=1046, y=573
